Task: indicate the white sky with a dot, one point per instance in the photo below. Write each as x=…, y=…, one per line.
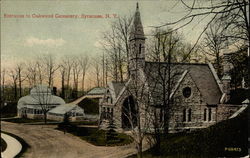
x=25, y=38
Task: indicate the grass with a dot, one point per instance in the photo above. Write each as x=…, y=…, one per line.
x=3, y=145
x=85, y=123
x=25, y=145
x=225, y=139
x=25, y=120
x=95, y=136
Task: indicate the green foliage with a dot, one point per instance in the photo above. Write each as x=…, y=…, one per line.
x=240, y=67
x=90, y=106
x=111, y=134
x=10, y=110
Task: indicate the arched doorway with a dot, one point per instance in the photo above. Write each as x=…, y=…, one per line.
x=129, y=113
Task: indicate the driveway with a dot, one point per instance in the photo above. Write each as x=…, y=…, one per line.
x=47, y=142
x=13, y=146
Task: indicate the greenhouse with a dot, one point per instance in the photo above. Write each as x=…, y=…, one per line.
x=39, y=101
x=74, y=113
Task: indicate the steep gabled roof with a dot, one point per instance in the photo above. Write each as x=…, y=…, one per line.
x=115, y=88
x=157, y=74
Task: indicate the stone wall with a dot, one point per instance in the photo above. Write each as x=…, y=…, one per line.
x=193, y=104
x=224, y=111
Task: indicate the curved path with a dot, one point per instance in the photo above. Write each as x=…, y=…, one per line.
x=47, y=142
x=13, y=146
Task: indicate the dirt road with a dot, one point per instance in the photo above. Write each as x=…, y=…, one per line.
x=46, y=142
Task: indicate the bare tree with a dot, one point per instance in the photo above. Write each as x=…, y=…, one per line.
x=68, y=64
x=116, y=46
x=213, y=44
x=62, y=70
x=51, y=67
x=44, y=98
x=32, y=73
x=2, y=85
x=84, y=63
x=136, y=111
x=97, y=71
x=14, y=76
x=19, y=70
x=233, y=13
x=76, y=72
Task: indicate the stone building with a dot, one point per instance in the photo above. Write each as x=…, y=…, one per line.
x=192, y=94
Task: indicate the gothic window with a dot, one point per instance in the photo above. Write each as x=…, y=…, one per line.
x=140, y=49
x=205, y=114
x=186, y=92
x=209, y=114
x=189, y=115
x=184, y=115
x=112, y=112
x=109, y=100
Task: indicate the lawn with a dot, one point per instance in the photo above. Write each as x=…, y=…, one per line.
x=25, y=145
x=26, y=120
x=95, y=136
x=3, y=145
x=225, y=139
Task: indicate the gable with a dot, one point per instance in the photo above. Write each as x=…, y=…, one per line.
x=188, y=91
x=201, y=74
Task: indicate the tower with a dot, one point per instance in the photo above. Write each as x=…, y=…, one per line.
x=136, y=44
x=226, y=79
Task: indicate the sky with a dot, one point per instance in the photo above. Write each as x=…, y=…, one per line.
x=25, y=38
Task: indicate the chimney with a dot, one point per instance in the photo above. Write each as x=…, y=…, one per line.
x=226, y=79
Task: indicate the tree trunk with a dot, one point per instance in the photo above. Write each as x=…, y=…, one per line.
x=15, y=91
x=45, y=117
x=63, y=88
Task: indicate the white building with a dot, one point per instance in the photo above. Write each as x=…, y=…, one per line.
x=74, y=112
x=40, y=99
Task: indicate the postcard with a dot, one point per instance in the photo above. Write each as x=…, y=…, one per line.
x=125, y=79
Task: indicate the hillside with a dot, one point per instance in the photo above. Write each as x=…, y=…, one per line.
x=227, y=138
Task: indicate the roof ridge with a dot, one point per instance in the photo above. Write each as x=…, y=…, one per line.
x=176, y=63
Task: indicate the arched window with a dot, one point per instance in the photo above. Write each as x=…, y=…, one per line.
x=139, y=48
x=108, y=99
x=189, y=115
x=184, y=119
x=186, y=92
x=209, y=114
x=205, y=114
